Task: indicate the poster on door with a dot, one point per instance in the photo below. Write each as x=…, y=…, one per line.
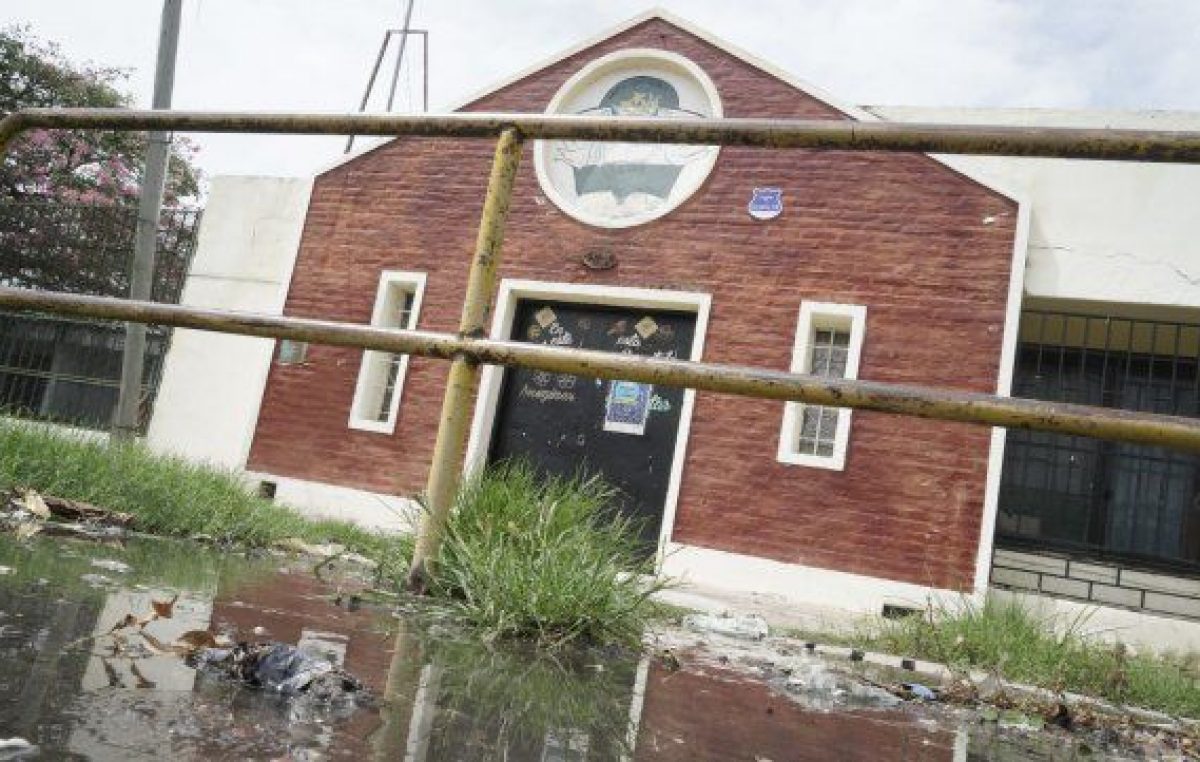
x=627, y=407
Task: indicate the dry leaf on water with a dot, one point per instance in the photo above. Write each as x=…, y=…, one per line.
x=142, y=682
x=129, y=620
x=114, y=680
x=34, y=503
x=155, y=643
x=194, y=640
x=164, y=609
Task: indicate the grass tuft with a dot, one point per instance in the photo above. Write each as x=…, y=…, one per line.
x=166, y=496
x=524, y=556
x=1003, y=635
x=546, y=559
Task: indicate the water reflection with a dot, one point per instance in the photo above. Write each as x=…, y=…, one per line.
x=455, y=699
x=443, y=696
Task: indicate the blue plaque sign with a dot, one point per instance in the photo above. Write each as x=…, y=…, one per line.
x=766, y=203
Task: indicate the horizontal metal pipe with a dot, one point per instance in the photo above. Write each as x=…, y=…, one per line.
x=922, y=402
x=1133, y=145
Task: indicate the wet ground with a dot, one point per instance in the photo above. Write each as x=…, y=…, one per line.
x=73, y=691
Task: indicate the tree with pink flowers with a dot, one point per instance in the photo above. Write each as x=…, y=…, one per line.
x=93, y=167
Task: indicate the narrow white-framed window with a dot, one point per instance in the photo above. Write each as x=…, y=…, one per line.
x=829, y=339
x=381, y=375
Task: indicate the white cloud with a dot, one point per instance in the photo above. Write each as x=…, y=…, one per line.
x=289, y=55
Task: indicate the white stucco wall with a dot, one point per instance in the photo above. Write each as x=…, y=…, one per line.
x=1101, y=231
x=213, y=383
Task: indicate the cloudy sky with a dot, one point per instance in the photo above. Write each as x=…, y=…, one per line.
x=314, y=55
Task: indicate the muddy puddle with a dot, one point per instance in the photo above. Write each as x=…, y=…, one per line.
x=70, y=693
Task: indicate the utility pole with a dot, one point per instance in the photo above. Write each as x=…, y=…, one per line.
x=141, y=273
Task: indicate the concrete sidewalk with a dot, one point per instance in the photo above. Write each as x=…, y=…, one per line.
x=780, y=614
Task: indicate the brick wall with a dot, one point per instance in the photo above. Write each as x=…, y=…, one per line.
x=901, y=234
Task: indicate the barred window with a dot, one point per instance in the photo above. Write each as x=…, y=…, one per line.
x=828, y=344
x=380, y=380
x=818, y=426
x=292, y=352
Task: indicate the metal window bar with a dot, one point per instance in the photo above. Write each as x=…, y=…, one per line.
x=68, y=371
x=818, y=423
x=404, y=319
x=1133, y=503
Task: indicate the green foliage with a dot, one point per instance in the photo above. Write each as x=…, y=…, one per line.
x=1005, y=636
x=166, y=496
x=75, y=166
x=545, y=558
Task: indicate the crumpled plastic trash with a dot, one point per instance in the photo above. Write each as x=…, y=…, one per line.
x=283, y=669
x=922, y=692
x=739, y=626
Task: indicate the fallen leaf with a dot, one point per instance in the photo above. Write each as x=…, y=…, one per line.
x=164, y=609
x=34, y=503
x=194, y=640
x=157, y=644
x=114, y=680
x=129, y=620
x=142, y=682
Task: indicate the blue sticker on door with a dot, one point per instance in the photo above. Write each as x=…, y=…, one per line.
x=627, y=407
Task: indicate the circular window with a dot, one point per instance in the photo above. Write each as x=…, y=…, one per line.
x=618, y=185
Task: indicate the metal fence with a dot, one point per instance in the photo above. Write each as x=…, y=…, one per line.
x=1138, y=504
x=466, y=352
x=69, y=370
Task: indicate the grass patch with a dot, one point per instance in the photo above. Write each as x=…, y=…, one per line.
x=169, y=496
x=524, y=556
x=546, y=559
x=1006, y=637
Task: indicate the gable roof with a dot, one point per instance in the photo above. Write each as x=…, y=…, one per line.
x=683, y=24
x=851, y=110
x=661, y=14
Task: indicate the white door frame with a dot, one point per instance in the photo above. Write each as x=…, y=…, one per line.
x=514, y=290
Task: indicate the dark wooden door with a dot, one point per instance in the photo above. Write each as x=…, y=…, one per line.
x=626, y=432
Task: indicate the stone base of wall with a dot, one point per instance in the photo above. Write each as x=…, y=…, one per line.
x=1101, y=583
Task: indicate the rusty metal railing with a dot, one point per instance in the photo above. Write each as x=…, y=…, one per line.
x=1061, y=142
x=467, y=351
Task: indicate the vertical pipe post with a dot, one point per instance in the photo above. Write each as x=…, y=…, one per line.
x=425, y=71
x=445, y=470
x=141, y=270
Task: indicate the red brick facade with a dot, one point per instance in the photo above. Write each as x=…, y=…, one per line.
x=903, y=235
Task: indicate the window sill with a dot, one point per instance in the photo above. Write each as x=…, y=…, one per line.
x=835, y=462
x=375, y=427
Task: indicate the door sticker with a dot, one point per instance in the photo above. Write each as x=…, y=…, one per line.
x=627, y=407
x=646, y=327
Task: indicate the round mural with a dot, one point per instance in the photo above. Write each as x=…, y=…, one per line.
x=624, y=184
